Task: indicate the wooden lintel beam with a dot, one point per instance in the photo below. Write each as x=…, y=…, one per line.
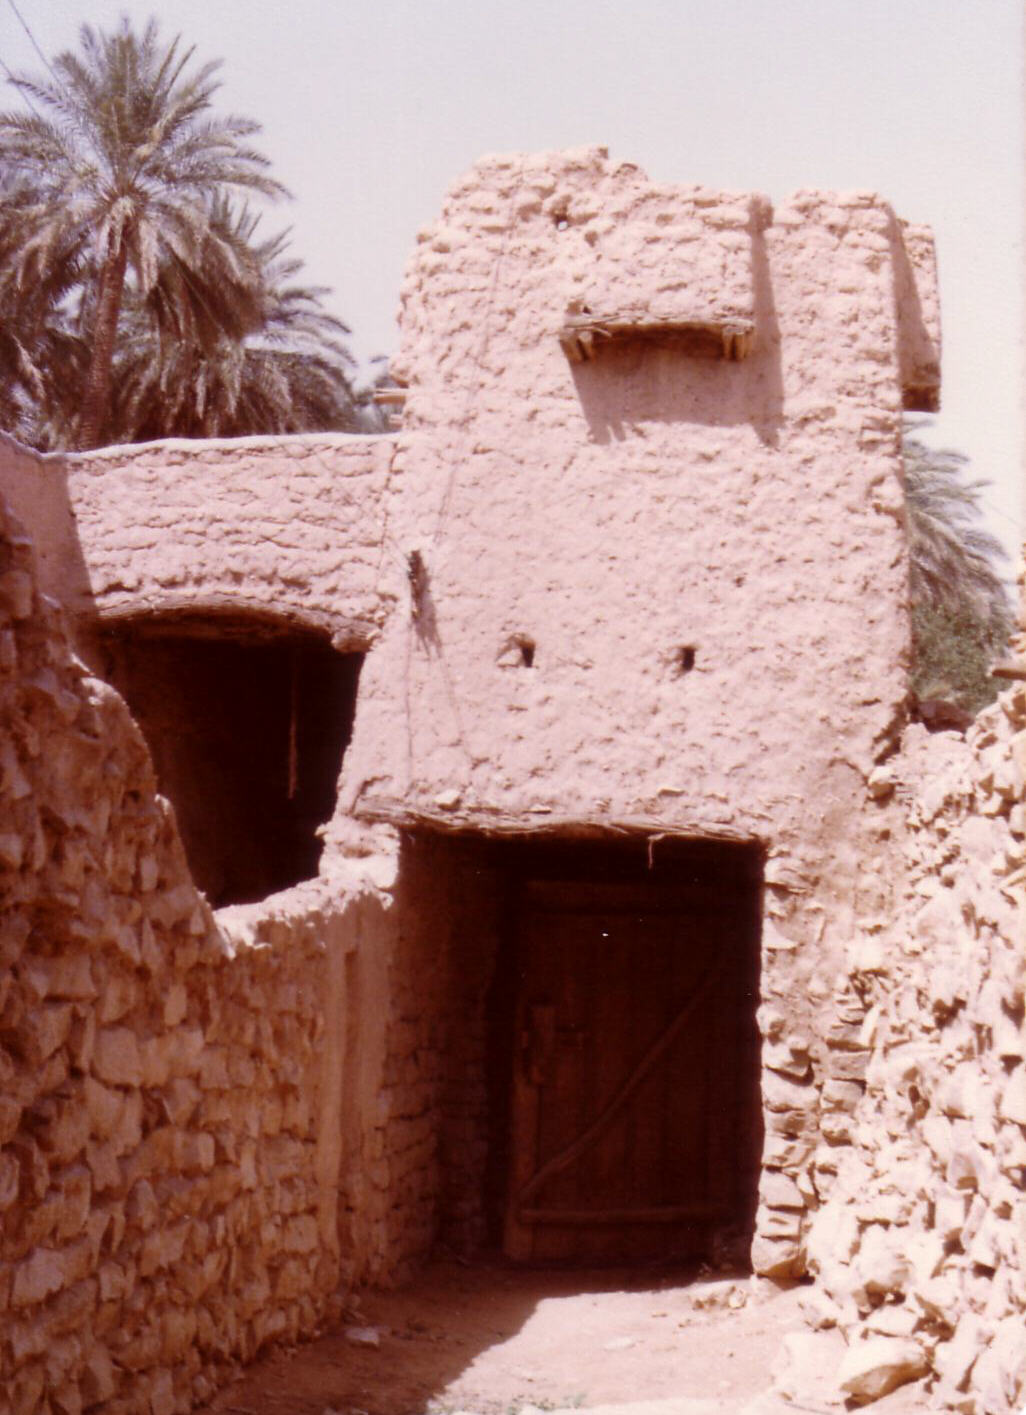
x=582, y=334
x=496, y=824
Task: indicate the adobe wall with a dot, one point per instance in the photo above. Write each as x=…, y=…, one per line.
x=172, y=1084
x=617, y=510
x=283, y=527
x=648, y=491
x=35, y=489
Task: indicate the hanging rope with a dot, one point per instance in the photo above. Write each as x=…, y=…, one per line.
x=293, y=709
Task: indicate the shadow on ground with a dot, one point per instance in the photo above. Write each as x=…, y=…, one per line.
x=492, y=1339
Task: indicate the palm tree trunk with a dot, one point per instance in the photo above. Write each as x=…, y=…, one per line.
x=96, y=399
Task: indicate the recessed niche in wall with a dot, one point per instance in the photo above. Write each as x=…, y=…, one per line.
x=685, y=658
x=247, y=723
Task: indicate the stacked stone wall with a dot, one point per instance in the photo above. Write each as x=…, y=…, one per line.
x=169, y=1106
x=421, y=1123
x=918, y=1246
x=390, y=1201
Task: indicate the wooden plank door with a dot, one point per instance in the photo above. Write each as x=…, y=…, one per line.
x=626, y=1085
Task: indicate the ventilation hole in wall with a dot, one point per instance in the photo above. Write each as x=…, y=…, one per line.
x=685, y=658
x=517, y=652
x=560, y=220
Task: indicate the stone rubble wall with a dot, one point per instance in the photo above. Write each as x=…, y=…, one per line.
x=918, y=1246
x=289, y=527
x=170, y=1083
x=392, y=1196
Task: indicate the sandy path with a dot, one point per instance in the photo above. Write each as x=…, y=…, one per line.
x=491, y=1340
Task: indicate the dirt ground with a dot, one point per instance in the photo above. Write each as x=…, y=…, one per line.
x=493, y=1340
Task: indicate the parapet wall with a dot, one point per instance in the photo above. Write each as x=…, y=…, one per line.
x=286, y=528
x=170, y=1108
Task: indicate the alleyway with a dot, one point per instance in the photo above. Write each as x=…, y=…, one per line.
x=494, y=1340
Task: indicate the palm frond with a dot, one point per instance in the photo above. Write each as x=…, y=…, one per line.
x=126, y=159
x=961, y=608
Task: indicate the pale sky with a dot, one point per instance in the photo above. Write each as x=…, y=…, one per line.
x=371, y=109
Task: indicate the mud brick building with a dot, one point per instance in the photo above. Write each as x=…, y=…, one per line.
x=537, y=771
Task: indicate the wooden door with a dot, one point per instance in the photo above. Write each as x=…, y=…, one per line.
x=632, y=1029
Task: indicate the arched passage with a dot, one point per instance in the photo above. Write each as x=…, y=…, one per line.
x=247, y=720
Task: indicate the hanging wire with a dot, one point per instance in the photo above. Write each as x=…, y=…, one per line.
x=32, y=41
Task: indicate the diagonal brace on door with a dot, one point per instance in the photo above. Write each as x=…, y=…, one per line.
x=566, y=1157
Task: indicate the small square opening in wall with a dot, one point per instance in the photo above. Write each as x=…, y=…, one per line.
x=685, y=658
x=517, y=652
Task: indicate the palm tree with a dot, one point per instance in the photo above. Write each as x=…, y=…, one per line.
x=288, y=372
x=34, y=340
x=125, y=178
x=952, y=557
x=961, y=611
